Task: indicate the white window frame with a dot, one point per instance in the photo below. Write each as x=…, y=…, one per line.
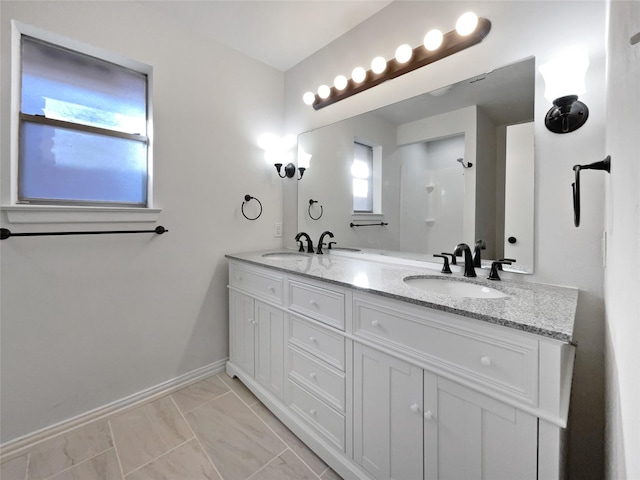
x=27, y=213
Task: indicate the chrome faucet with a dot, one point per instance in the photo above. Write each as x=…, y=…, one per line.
x=321, y=241
x=461, y=248
x=309, y=242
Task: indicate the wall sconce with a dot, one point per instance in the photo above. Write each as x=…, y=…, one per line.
x=277, y=150
x=469, y=31
x=564, y=81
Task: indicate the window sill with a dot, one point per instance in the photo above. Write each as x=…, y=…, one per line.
x=367, y=216
x=60, y=214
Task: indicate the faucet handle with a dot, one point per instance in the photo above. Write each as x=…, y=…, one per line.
x=495, y=266
x=330, y=243
x=445, y=267
x=508, y=261
x=453, y=257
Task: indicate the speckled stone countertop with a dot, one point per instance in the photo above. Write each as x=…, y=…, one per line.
x=535, y=308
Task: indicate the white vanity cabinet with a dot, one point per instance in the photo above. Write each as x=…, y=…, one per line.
x=381, y=388
x=409, y=423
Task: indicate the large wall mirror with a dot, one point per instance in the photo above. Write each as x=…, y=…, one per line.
x=449, y=166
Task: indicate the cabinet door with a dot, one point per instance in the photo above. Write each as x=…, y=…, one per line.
x=477, y=437
x=241, y=331
x=269, y=361
x=388, y=425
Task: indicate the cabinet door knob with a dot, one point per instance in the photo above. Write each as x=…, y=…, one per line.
x=313, y=412
x=428, y=415
x=271, y=288
x=375, y=323
x=312, y=375
x=313, y=303
x=486, y=361
x=414, y=408
x=312, y=339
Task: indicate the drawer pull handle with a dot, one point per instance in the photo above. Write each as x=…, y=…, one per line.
x=271, y=288
x=312, y=339
x=375, y=323
x=414, y=408
x=428, y=415
x=486, y=361
x=313, y=412
x=313, y=303
x=312, y=375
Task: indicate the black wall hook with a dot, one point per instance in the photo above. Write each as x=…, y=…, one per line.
x=601, y=165
x=248, y=198
x=311, y=202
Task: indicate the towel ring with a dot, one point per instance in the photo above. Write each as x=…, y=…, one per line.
x=248, y=198
x=311, y=202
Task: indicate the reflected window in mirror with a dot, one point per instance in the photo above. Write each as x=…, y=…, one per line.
x=362, y=173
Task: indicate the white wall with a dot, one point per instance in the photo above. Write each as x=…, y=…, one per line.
x=622, y=277
x=564, y=254
x=89, y=320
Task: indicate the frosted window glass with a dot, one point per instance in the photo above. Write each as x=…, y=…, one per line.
x=361, y=171
x=70, y=86
x=58, y=164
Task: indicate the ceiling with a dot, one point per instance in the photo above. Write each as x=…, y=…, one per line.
x=280, y=33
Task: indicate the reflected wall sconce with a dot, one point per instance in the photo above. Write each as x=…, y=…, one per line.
x=470, y=30
x=564, y=81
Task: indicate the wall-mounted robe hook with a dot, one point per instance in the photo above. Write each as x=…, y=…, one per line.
x=248, y=198
x=468, y=165
x=601, y=165
x=311, y=202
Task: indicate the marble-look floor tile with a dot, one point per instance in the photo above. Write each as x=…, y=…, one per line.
x=101, y=467
x=67, y=450
x=294, y=443
x=237, y=386
x=14, y=469
x=195, y=395
x=188, y=462
x=330, y=475
x=285, y=467
x=236, y=440
x=145, y=433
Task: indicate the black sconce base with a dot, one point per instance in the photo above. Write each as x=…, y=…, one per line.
x=567, y=115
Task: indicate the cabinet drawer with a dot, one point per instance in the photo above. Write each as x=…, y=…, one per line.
x=325, y=382
x=265, y=285
x=321, y=304
x=322, y=343
x=495, y=360
x=321, y=417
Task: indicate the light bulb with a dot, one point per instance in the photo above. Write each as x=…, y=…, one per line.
x=433, y=40
x=403, y=53
x=378, y=65
x=467, y=23
x=309, y=98
x=358, y=75
x=324, y=91
x=564, y=75
x=340, y=82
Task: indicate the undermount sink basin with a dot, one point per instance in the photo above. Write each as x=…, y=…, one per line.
x=453, y=288
x=285, y=255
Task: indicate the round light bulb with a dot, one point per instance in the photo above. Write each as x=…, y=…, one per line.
x=309, y=98
x=378, y=65
x=467, y=23
x=324, y=91
x=340, y=82
x=358, y=75
x=433, y=40
x=403, y=53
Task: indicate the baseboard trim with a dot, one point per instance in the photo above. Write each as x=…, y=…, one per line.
x=20, y=445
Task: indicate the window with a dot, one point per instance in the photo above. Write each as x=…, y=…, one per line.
x=362, y=173
x=83, y=128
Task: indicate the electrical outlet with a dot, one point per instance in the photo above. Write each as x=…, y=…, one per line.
x=277, y=230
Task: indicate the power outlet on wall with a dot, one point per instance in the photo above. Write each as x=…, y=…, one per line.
x=277, y=230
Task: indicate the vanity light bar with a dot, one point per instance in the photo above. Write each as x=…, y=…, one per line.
x=452, y=42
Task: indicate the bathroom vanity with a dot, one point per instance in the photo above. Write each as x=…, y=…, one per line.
x=384, y=379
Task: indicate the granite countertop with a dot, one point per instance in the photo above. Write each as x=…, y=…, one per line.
x=540, y=309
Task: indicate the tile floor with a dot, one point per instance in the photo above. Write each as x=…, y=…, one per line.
x=213, y=429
